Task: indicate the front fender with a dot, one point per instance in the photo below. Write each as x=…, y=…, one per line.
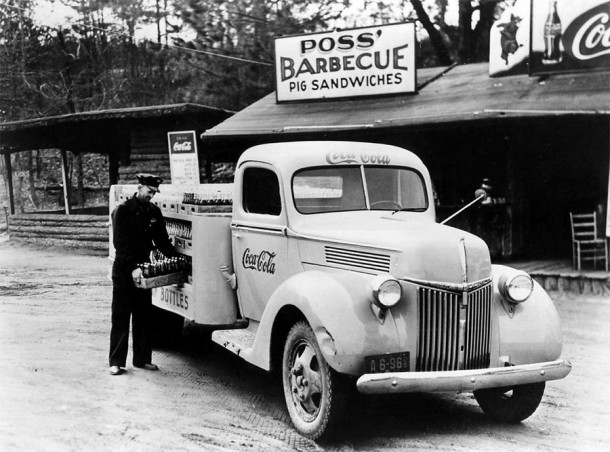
x=337, y=306
x=531, y=333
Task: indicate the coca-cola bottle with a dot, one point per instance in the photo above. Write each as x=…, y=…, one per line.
x=552, y=36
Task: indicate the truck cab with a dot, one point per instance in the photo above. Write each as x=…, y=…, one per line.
x=331, y=269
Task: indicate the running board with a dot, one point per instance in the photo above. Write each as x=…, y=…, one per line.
x=240, y=342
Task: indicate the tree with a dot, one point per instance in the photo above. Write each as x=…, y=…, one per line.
x=473, y=43
x=435, y=37
x=241, y=30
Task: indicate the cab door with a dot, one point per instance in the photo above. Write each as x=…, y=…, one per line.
x=259, y=237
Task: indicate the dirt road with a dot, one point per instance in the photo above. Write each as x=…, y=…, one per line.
x=56, y=394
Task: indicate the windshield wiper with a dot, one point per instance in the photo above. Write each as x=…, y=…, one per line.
x=410, y=209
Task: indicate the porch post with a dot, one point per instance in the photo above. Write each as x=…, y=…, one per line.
x=64, y=177
x=9, y=180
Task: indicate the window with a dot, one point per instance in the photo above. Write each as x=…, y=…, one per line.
x=261, y=192
x=337, y=189
x=328, y=190
x=395, y=189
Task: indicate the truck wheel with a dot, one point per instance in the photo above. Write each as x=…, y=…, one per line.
x=314, y=393
x=510, y=404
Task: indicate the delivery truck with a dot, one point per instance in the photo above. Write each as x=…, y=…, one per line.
x=323, y=261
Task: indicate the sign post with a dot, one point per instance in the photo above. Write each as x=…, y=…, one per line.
x=183, y=158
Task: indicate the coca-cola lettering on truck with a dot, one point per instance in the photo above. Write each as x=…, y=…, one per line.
x=330, y=268
x=261, y=262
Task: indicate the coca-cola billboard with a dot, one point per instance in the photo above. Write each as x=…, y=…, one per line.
x=569, y=36
x=550, y=36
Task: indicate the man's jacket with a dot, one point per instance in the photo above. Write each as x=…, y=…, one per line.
x=137, y=229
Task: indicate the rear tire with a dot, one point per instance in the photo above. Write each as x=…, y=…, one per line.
x=510, y=404
x=315, y=394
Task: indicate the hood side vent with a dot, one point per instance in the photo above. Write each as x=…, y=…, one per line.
x=360, y=259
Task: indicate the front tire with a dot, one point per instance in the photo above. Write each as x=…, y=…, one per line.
x=510, y=404
x=315, y=394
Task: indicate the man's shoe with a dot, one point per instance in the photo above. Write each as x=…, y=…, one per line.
x=148, y=366
x=115, y=370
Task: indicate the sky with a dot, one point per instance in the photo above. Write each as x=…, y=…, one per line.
x=52, y=14
x=55, y=13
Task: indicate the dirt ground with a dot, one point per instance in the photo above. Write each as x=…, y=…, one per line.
x=56, y=393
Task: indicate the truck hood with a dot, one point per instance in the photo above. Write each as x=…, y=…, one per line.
x=407, y=245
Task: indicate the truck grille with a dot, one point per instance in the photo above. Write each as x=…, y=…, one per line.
x=360, y=259
x=454, y=329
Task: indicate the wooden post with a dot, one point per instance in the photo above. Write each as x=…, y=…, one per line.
x=208, y=169
x=64, y=177
x=113, y=167
x=9, y=180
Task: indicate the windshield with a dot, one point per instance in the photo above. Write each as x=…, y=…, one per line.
x=337, y=189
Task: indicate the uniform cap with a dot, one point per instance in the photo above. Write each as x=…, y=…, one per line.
x=486, y=185
x=150, y=179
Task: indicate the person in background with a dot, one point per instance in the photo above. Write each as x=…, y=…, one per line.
x=486, y=186
x=138, y=227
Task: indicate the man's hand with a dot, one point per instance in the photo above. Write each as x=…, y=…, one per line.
x=137, y=276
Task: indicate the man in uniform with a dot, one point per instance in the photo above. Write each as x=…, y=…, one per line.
x=138, y=227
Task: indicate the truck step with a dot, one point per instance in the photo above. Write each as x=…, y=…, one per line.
x=236, y=341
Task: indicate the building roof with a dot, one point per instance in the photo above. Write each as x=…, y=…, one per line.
x=455, y=94
x=92, y=129
x=155, y=111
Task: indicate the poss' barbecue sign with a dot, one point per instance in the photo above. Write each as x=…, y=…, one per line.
x=346, y=63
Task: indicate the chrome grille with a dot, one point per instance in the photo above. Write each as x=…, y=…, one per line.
x=454, y=329
x=359, y=259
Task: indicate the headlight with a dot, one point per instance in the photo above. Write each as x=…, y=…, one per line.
x=386, y=291
x=516, y=288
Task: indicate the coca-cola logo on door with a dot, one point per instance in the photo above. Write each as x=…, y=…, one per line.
x=587, y=38
x=261, y=262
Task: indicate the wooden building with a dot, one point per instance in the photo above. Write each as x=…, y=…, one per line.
x=131, y=139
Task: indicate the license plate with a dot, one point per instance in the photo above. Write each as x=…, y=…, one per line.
x=390, y=362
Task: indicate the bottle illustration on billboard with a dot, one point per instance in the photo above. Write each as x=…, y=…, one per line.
x=553, y=53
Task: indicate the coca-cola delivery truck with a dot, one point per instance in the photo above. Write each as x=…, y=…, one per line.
x=324, y=262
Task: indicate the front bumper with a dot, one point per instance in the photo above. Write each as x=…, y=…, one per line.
x=462, y=380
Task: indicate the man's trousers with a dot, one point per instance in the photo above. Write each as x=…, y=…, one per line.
x=130, y=303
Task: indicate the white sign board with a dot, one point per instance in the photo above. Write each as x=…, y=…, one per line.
x=550, y=36
x=347, y=63
x=183, y=160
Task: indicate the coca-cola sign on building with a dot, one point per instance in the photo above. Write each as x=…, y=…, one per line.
x=551, y=36
x=183, y=157
x=568, y=36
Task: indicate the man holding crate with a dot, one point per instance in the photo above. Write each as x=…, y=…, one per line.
x=138, y=227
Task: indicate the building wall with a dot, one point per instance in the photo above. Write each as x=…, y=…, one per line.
x=545, y=168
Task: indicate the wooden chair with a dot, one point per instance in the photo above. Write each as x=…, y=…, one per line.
x=587, y=243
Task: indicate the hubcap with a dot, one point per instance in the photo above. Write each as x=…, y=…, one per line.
x=305, y=380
